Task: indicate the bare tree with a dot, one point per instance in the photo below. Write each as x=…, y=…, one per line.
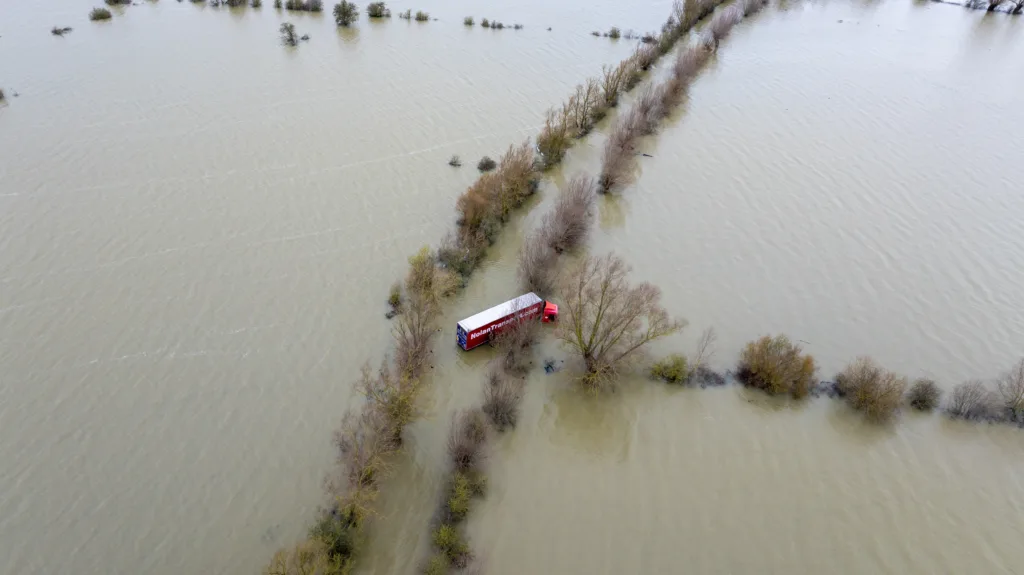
x=606, y=321
x=619, y=157
x=649, y=110
x=705, y=347
x=502, y=396
x=567, y=225
x=612, y=82
x=537, y=265
x=365, y=441
x=1011, y=390
x=466, y=439
x=970, y=400
x=412, y=334
x=392, y=394
x=554, y=139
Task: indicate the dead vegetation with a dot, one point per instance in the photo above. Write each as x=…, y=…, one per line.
x=502, y=396
x=1010, y=386
x=564, y=228
x=776, y=366
x=872, y=390
x=606, y=321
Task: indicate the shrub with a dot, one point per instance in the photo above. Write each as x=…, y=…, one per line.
x=118, y=2
x=345, y=13
x=970, y=400
x=485, y=23
x=59, y=31
x=438, y=564
x=502, y=396
x=1011, y=391
x=614, y=33
x=554, y=140
x=459, y=495
x=619, y=156
x=870, y=389
x=517, y=26
x=776, y=365
x=277, y=4
x=407, y=15
x=608, y=321
x=722, y=23
x=672, y=369
x=305, y=558
x=646, y=56
x=924, y=395
x=455, y=161
x=2, y=95
x=422, y=16
x=99, y=14
x=613, y=81
x=497, y=26
x=567, y=225
x=449, y=541
x=461, y=254
x=648, y=39
x=377, y=10
x=288, y=37
x=468, y=21
x=537, y=265
x=585, y=108
x=515, y=343
x=649, y=111
x=395, y=296
x=486, y=164
x=466, y=440
x=595, y=34
x=1018, y=6
x=992, y=5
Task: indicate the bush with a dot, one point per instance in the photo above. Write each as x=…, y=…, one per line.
x=338, y=533
x=288, y=36
x=455, y=161
x=515, y=343
x=970, y=400
x=672, y=369
x=613, y=80
x=585, y=108
x=407, y=15
x=449, y=541
x=497, y=26
x=618, y=159
x=485, y=23
x=277, y=4
x=569, y=222
x=517, y=26
x=870, y=389
x=486, y=164
x=1011, y=391
x=924, y=395
x=459, y=495
x=466, y=440
x=776, y=366
x=537, y=265
x=395, y=296
x=59, y=31
x=377, y=10
x=2, y=95
x=614, y=33
x=646, y=56
x=438, y=564
x=461, y=254
x=118, y=2
x=649, y=111
x=345, y=13
x=502, y=396
x=99, y=14
x=422, y=16
x=468, y=21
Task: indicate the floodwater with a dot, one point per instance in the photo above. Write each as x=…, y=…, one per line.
x=198, y=227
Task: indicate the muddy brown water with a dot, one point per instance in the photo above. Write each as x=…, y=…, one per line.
x=198, y=228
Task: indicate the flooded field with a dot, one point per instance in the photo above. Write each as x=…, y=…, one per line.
x=198, y=227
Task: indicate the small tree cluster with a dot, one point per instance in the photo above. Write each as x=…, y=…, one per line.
x=776, y=366
x=870, y=389
x=304, y=5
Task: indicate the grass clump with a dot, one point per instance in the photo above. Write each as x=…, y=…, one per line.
x=99, y=14
x=614, y=33
x=422, y=16
x=776, y=366
x=467, y=21
x=345, y=13
x=672, y=369
x=377, y=10
x=924, y=395
x=486, y=164
x=870, y=389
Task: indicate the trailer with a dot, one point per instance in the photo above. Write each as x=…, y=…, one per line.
x=481, y=327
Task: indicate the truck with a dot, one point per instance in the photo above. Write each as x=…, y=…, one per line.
x=484, y=326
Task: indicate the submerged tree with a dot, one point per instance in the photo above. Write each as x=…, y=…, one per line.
x=288, y=36
x=607, y=321
x=345, y=13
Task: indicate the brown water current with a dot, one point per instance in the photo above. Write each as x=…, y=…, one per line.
x=198, y=227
